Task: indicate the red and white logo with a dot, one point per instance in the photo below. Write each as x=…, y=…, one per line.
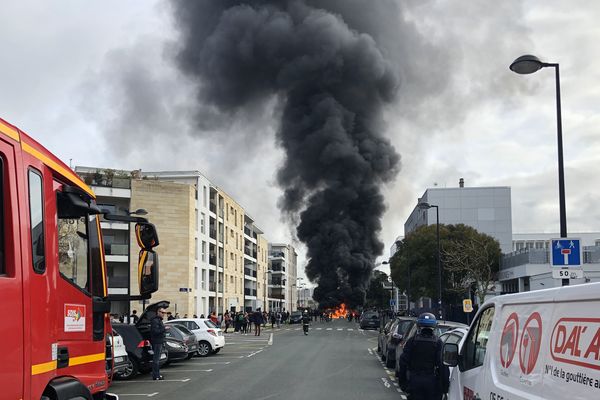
x=74, y=318
x=577, y=341
x=531, y=339
x=508, y=340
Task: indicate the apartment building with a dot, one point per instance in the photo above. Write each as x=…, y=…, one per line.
x=212, y=256
x=282, y=293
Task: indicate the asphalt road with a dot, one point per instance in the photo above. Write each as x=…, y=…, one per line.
x=335, y=361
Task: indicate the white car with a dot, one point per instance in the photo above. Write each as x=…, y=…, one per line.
x=210, y=337
x=121, y=360
x=456, y=335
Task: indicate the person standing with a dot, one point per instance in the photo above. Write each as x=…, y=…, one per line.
x=157, y=338
x=258, y=320
x=134, y=317
x=423, y=376
x=227, y=320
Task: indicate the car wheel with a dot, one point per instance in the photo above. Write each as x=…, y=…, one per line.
x=204, y=349
x=131, y=370
x=217, y=350
x=388, y=362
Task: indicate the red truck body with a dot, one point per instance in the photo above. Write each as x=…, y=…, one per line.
x=52, y=271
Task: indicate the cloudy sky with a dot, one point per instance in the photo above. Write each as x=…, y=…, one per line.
x=95, y=83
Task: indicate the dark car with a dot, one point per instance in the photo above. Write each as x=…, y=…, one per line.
x=442, y=326
x=139, y=352
x=186, y=336
x=295, y=317
x=177, y=350
x=369, y=320
x=382, y=334
x=395, y=336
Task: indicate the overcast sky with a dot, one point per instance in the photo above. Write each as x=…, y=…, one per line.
x=68, y=70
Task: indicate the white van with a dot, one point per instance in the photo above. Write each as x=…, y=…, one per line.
x=543, y=344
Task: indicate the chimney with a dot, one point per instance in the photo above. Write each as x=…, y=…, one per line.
x=461, y=183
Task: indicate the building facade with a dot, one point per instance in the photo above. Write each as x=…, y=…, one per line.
x=282, y=293
x=487, y=209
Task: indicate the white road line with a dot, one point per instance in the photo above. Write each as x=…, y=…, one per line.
x=209, y=363
x=319, y=329
x=340, y=329
x=370, y=351
x=386, y=383
x=140, y=394
x=190, y=370
x=250, y=355
x=350, y=329
x=270, y=340
x=297, y=329
x=164, y=380
x=328, y=329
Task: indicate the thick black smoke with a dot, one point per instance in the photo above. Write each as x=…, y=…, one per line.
x=332, y=81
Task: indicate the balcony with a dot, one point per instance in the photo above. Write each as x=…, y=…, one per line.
x=213, y=207
x=212, y=286
x=250, y=292
x=249, y=272
x=213, y=233
x=277, y=254
x=212, y=260
x=116, y=249
x=118, y=282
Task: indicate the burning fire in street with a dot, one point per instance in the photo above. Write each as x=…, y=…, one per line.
x=340, y=311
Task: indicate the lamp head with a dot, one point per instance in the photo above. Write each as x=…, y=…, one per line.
x=424, y=206
x=527, y=64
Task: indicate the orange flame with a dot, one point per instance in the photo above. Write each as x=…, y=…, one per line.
x=340, y=312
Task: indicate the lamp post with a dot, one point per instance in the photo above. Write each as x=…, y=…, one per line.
x=426, y=206
x=528, y=64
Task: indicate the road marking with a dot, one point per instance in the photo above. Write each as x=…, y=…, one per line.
x=370, y=351
x=270, y=343
x=386, y=383
x=319, y=329
x=328, y=329
x=164, y=380
x=190, y=370
x=209, y=363
x=140, y=394
x=297, y=329
x=350, y=329
x=229, y=356
x=250, y=355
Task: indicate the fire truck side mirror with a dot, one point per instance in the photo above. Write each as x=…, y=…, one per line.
x=146, y=235
x=148, y=272
x=100, y=305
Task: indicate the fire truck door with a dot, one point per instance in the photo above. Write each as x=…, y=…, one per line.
x=11, y=279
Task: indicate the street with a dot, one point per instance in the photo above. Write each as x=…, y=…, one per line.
x=335, y=361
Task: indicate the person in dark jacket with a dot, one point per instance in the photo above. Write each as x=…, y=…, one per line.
x=422, y=375
x=157, y=338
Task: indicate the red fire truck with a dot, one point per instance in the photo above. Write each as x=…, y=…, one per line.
x=53, y=285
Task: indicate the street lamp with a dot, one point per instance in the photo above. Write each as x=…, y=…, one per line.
x=426, y=206
x=529, y=64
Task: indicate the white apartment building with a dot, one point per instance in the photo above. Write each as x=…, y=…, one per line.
x=282, y=293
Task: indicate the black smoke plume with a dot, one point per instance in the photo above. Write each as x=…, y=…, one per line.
x=332, y=80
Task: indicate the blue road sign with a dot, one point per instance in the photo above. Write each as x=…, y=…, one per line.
x=566, y=252
x=392, y=302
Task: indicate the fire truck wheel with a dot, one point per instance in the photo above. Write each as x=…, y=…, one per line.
x=130, y=371
x=204, y=349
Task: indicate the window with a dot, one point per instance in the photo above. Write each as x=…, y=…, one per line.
x=476, y=343
x=73, y=251
x=196, y=248
x=36, y=215
x=202, y=223
x=203, y=251
x=204, y=197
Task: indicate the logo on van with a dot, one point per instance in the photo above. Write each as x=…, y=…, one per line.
x=530, y=344
x=508, y=341
x=577, y=341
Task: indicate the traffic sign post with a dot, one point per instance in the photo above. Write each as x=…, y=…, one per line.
x=467, y=305
x=566, y=258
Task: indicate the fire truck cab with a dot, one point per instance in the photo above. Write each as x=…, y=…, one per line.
x=53, y=284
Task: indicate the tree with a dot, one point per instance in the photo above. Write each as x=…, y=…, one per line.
x=377, y=295
x=473, y=263
x=417, y=257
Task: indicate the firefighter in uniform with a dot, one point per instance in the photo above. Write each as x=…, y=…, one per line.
x=423, y=376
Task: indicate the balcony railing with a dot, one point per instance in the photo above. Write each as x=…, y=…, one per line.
x=249, y=272
x=213, y=207
x=212, y=286
x=277, y=254
x=212, y=260
x=213, y=233
x=250, y=292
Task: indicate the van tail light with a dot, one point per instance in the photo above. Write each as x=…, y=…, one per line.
x=144, y=343
x=212, y=332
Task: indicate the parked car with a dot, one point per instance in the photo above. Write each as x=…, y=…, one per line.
x=210, y=338
x=183, y=334
x=120, y=359
x=177, y=350
x=382, y=334
x=295, y=317
x=442, y=326
x=395, y=336
x=369, y=320
x=139, y=352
